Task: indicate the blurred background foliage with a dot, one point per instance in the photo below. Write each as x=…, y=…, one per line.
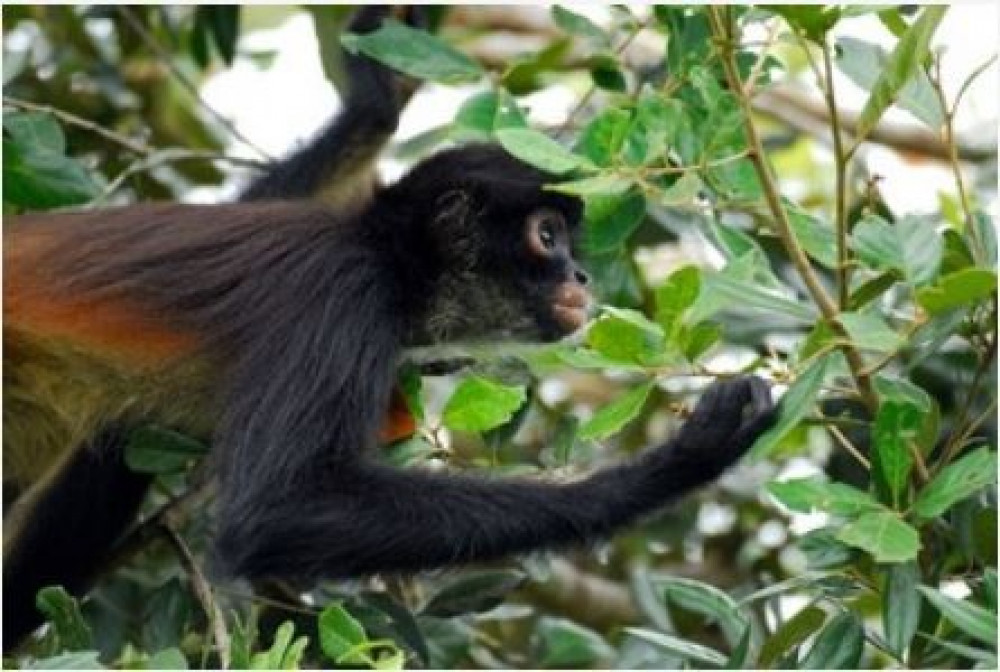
x=727, y=231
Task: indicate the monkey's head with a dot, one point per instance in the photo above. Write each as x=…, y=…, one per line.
x=503, y=248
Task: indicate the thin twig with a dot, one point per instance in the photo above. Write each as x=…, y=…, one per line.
x=948, y=137
x=840, y=184
x=183, y=80
x=165, y=156
x=80, y=122
x=203, y=590
x=846, y=444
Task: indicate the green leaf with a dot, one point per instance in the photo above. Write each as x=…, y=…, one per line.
x=823, y=551
x=414, y=52
x=677, y=293
x=157, y=450
x=697, y=340
x=792, y=633
x=609, y=221
x=167, y=659
x=816, y=237
x=36, y=130
x=577, y=24
x=617, y=414
x=702, y=598
x=607, y=73
x=482, y=114
x=38, y=178
x=813, y=493
x=473, y=592
x=896, y=427
x=970, y=618
x=625, y=335
x=957, y=289
x=80, y=660
x=957, y=481
x=63, y=612
x=339, y=632
x=986, y=235
x=565, y=644
x=730, y=289
x=541, y=151
x=813, y=20
x=284, y=654
x=798, y=400
x=479, y=404
x=839, y=645
x=607, y=184
x=903, y=64
x=882, y=534
x=901, y=607
x=681, y=647
x=870, y=332
x=911, y=245
x=602, y=139
x=863, y=62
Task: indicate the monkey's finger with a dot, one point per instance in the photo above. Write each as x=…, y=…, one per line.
x=368, y=18
x=751, y=431
x=760, y=396
x=417, y=16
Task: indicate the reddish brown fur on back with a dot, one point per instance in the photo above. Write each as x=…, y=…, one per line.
x=105, y=326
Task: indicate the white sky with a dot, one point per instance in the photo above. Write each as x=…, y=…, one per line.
x=287, y=102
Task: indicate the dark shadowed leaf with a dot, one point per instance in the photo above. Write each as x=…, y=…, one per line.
x=473, y=592
x=790, y=634
x=839, y=645
x=564, y=644
x=901, y=607
x=970, y=618
x=157, y=450
x=414, y=52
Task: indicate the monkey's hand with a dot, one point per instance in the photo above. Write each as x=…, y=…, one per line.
x=727, y=420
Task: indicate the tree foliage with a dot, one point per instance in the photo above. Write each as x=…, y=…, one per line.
x=877, y=324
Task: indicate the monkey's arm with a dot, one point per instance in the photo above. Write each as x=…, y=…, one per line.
x=339, y=163
x=294, y=506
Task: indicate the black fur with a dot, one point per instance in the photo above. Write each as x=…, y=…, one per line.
x=309, y=310
x=67, y=535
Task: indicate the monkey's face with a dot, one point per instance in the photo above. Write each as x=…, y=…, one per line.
x=559, y=288
x=534, y=287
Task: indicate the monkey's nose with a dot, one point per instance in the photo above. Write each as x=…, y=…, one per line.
x=581, y=277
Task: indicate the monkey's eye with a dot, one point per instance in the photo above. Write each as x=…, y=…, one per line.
x=545, y=228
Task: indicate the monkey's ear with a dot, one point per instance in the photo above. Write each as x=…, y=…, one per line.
x=454, y=225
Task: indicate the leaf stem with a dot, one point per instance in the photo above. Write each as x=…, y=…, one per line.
x=840, y=184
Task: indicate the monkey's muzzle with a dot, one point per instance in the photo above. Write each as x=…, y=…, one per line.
x=570, y=306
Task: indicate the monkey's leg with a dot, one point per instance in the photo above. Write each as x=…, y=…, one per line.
x=62, y=532
x=368, y=518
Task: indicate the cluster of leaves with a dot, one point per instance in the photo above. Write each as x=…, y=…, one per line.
x=895, y=362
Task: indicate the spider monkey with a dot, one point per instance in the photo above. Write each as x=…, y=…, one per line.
x=274, y=327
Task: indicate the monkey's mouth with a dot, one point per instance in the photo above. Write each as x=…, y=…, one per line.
x=569, y=306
